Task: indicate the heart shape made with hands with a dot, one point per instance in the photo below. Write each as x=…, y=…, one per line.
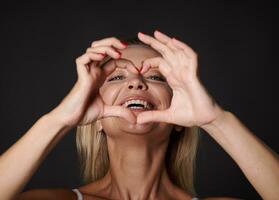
x=123, y=63
x=127, y=64
x=191, y=104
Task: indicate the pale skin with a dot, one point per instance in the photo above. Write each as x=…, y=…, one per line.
x=137, y=138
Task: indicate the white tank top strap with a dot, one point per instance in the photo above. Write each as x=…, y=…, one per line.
x=78, y=193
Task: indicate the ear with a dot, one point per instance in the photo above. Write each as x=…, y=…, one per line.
x=98, y=125
x=178, y=128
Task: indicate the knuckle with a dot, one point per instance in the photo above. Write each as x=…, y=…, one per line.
x=169, y=43
x=106, y=48
x=113, y=39
x=153, y=45
x=195, y=55
x=93, y=44
x=77, y=60
x=165, y=50
x=87, y=54
x=179, y=52
x=111, y=50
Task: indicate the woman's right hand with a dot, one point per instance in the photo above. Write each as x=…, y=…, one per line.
x=84, y=104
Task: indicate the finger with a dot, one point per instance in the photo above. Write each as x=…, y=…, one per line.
x=156, y=62
x=160, y=47
x=112, y=41
x=165, y=40
x=126, y=64
x=89, y=57
x=112, y=52
x=108, y=69
x=188, y=50
x=123, y=64
x=119, y=111
x=84, y=62
x=152, y=116
x=178, y=51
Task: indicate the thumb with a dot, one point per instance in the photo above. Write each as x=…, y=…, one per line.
x=119, y=111
x=152, y=116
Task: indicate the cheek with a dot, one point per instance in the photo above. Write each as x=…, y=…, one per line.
x=109, y=93
x=164, y=94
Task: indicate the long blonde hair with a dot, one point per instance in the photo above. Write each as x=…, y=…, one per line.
x=180, y=156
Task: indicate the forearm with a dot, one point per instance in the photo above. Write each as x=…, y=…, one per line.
x=257, y=161
x=21, y=160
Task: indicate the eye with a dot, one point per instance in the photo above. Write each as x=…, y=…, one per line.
x=156, y=78
x=118, y=77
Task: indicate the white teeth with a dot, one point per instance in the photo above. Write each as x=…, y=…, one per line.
x=136, y=101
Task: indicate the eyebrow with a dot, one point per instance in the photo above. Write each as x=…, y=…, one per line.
x=110, y=59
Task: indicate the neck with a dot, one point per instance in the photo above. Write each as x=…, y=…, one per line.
x=137, y=169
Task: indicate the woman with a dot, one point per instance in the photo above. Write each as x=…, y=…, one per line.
x=137, y=116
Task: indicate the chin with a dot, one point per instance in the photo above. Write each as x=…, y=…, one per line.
x=135, y=129
x=116, y=126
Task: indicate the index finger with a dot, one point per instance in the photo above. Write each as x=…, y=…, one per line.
x=111, y=41
x=109, y=67
x=123, y=63
x=156, y=62
x=157, y=45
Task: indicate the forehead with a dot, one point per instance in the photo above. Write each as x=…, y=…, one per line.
x=138, y=53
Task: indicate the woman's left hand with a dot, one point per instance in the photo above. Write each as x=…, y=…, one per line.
x=191, y=105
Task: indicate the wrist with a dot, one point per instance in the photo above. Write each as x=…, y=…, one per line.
x=218, y=121
x=55, y=121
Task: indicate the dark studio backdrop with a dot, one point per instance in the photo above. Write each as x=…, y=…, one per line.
x=40, y=41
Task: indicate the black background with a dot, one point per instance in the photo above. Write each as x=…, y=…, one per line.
x=40, y=41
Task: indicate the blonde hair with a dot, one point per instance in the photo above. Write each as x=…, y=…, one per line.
x=180, y=156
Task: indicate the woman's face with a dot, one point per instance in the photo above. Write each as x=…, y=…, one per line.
x=126, y=84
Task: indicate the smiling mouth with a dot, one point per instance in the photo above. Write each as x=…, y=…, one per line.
x=138, y=105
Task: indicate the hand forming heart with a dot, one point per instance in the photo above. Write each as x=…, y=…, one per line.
x=84, y=104
x=191, y=105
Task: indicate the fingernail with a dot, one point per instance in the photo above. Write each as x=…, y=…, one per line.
x=119, y=53
x=124, y=43
x=141, y=67
x=141, y=33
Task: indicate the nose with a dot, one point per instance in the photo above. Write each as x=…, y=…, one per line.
x=137, y=83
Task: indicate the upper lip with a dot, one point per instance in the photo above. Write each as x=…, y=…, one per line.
x=139, y=97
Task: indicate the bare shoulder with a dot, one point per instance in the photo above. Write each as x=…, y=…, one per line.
x=47, y=194
x=220, y=198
